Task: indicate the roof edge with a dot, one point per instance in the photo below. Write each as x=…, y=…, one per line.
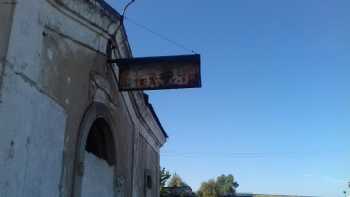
x=149, y=105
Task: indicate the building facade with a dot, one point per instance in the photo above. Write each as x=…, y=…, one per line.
x=66, y=130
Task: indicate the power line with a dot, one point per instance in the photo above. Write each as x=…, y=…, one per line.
x=161, y=36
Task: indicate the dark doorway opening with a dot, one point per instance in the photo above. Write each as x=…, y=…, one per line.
x=100, y=141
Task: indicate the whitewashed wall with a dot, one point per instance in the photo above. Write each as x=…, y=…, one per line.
x=40, y=115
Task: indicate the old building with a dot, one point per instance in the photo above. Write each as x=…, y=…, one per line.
x=66, y=129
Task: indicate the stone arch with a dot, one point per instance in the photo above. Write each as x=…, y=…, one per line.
x=96, y=137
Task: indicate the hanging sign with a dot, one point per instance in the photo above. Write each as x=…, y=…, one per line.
x=155, y=73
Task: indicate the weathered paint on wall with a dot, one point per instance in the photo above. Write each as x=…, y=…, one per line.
x=32, y=140
x=6, y=14
x=97, y=169
x=32, y=124
x=55, y=70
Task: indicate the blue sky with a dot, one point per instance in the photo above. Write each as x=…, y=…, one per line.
x=274, y=109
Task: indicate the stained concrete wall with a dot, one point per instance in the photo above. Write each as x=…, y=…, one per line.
x=32, y=124
x=54, y=69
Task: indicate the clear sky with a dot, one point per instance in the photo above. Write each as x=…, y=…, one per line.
x=274, y=109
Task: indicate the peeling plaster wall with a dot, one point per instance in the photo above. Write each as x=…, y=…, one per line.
x=53, y=68
x=6, y=14
x=32, y=124
x=32, y=138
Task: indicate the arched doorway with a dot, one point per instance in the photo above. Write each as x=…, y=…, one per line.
x=100, y=141
x=96, y=155
x=99, y=162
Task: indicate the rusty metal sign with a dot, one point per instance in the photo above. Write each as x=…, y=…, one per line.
x=155, y=73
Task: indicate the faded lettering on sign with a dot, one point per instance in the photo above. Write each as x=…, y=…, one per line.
x=153, y=73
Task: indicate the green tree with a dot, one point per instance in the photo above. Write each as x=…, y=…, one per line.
x=226, y=185
x=176, y=181
x=164, y=177
x=208, y=189
x=223, y=186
